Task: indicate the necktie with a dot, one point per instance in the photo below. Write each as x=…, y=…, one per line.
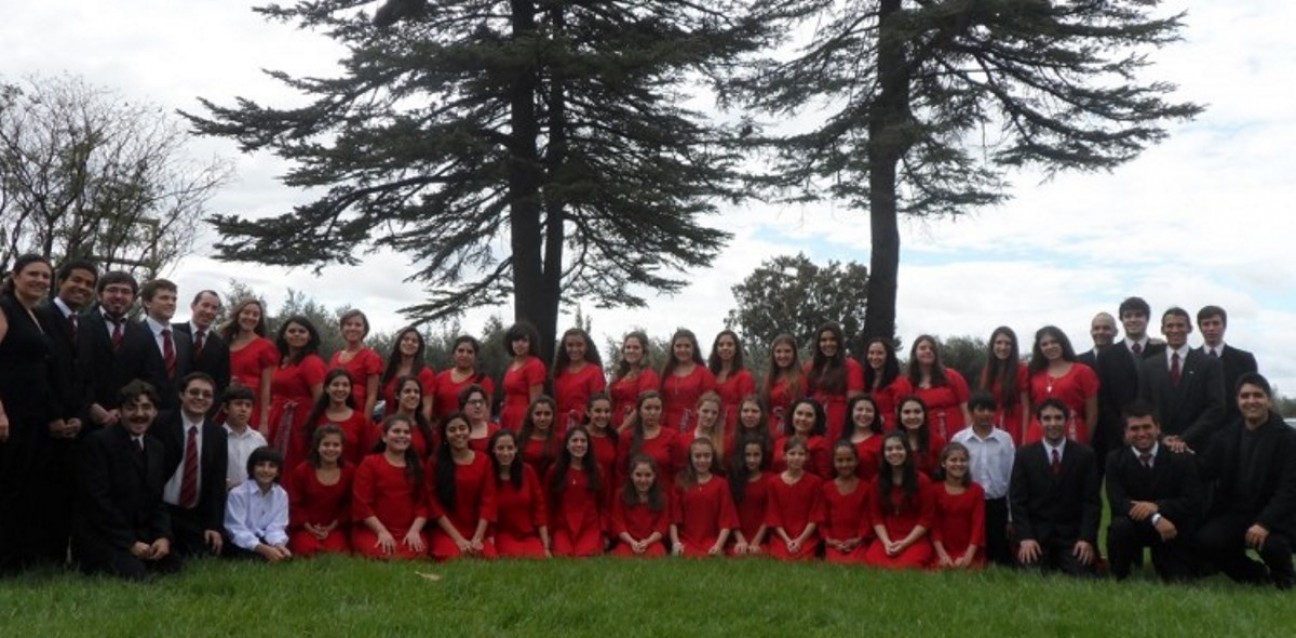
x=189, y=480
x=1056, y=466
x=1146, y=459
x=168, y=352
x=116, y=333
x=1174, y=369
x=199, y=338
x=1137, y=348
x=1214, y=353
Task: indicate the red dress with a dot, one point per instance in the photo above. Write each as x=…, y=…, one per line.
x=517, y=382
x=639, y=521
x=539, y=454
x=290, y=405
x=363, y=364
x=779, y=403
x=1073, y=388
x=422, y=447
x=793, y=508
x=944, y=402
x=520, y=512
x=701, y=512
x=479, y=444
x=959, y=521
x=447, y=391
x=474, y=501
x=572, y=391
x=754, y=506
x=664, y=448
x=846, y=517
x=1010, y=421
x=246, y=365
x=732, y=391
x=723, y=449
x=310, y=501
x=680, y=395
x=384, y=491
x=358, y=436
x=387, y=393
x=870, y=457
x=834, y=404
x=605, y=453
x=926, y=464
x=626, y=390
x=819, y=461
x=575, y=516
x=899, y=516
x=885, y=397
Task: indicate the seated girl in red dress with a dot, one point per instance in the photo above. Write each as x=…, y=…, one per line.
x=712, y=427
x=537, y=439
x=880, y=376
x=407, y=360
x=807, y=422
x=784, y=383
x=462, y=496
x=924, y=444
x=640, y=512
x=319, y=497
x=577, y=375
x=604, y=440
x=576, y=516
x=648, y=436
x=474, y=403
x=900, y=510
x=943, y=390
x=749, y=482
x=337, y=405
x=958, y=526
x=864, y=431
x=704, y=511
x=1006, y=379
x=684, y=379
x=388, y=501
x=363, y=364
x=523, y=380
x=633, y=376
x=846, y=523
x=796, y=508
x=832, y=378
x=521, y=512
x=733, y=380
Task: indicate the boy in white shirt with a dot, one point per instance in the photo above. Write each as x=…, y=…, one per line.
x=237, y=405
x=256, y=512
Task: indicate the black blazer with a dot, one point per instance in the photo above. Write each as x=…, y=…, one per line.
x=213, y=360
x=1055, y=509
x=106, y=371
x=1268, y=483
x=1118, y=386
x=66, y=377
x=119, y=493
x=1089, y=358
x=1195, y=409
x=1236, y=362
x=168, y=429
x=1172, y=483
x=170, y=394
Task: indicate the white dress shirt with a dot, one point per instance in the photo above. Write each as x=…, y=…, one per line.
x=171, y=492
x=253, y=516
x=240, y=448
x=991, y=460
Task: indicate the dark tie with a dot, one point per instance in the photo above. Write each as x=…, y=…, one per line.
x=1056, y=466
x=1174, y=369
x=117, y=333
x=1214, y=353
x=168, y=352
x=1137, y=348
x=189, y=480
x=72, y=321
x=1146, y=459
x=199, y=338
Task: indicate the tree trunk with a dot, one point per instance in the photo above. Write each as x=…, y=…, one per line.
x=555, y=203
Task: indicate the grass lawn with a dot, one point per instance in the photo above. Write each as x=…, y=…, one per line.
x=610, y=597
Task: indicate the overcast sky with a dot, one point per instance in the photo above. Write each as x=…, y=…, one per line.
x=1203, y=218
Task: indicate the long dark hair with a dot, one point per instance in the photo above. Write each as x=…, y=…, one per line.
x=311, y=347
x=637, y=436
x=323, y=402
x=924, y=430
x=608, y=430
x=671, y=363
x=951, y=448
x=8, y=287
x=445, y=465
x=1003, y=372
x=322, y=431
x=394, y=357
x=516, y=467
x=938, y=377
x=624, y=367
x=1038, y=361
x=630, y=495
x=413, y=465
x=820, y=417
x=793, y=373
x=528, y=426
x=562, y=360
x=909, y=473
x=588, y=464
x=762, y=427
x=890, y=368
x=230, y=328
x=714, y=362
x=418, y=420
x=828, y=374
x=689, y=476
x=739, y=473
x=848, y=429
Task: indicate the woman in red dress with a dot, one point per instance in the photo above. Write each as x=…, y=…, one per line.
x=296, y=384
x=923, y=444
x=603, y=439
x=537, y=439
x=846, y=523
x=474, y=403
x=749, y=483
x=796, y=508
x=958, y=531
x=832, y=378
x=577, y=375
x=943, y=390
x=633, y=376
x=253, y=357
x=407, y=360
x=704, y=511
x=576, y=516
x=409, y=401
x=733, y=380
x=864, y=431
x=753, y=422
x=463, y=495
x=524, y=378
x=881, y=372
x=522, y=515
x=711, y=427
x=451, y=383
x=807, y=422
x=784, y=383
x=1055, y=373
x=388, y=503
x=1006, y=379
x=684, y=379
x=640, y=513
x=337, y=405
x=319, y=498
x=364, y=364
x=900, y=510
x=649, y=437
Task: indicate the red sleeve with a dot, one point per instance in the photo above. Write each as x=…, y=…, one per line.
x=618, y=517
x=817, y=510
x=534, y=372
x=598, y=380
x=648, y=380
x=662, y=522
x=312, y=370
x=362, y=492
x=927, y=502
x=854, y=376
x=427, y=379
x=373, y=364
x=746, y=384
x=978, y=515
x=728, y=512
x=773, y=510
x=708, y=382
x=268, y=355
x=1088, y=380
x=958, y=384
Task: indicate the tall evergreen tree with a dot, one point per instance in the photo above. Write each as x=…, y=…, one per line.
x=530, y=148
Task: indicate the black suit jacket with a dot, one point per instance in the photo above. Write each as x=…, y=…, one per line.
x=1089, y=358
x=213, y=360
x=1235, y=362
x=1192, y=410
x=168, y=429
x=66, y=377
x=119, y=493
x=1267, y=484
x=170, y=394
x=1172, y=483
x=1118, y=386
x=1055, y=509
x=106, y=371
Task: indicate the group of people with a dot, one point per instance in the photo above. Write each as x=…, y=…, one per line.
x=147, y=441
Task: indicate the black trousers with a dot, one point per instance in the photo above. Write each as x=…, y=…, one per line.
x=1222, y=540
x=96, y=556
x=1126, y=539
x=1058, y=555
x=997, y=548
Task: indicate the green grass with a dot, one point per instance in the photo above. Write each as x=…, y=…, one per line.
x=610, y=597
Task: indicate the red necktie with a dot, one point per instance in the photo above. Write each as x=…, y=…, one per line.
x=1056, y=466
x=199, y=338
x=72, y=320
x=168, y=352
x=189, y=480
x=117, y=334
x=1137, y=348
x=1174, y=369
x=1146, y=458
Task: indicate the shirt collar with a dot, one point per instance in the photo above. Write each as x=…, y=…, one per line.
x=1060, y=447
x=1155, y=448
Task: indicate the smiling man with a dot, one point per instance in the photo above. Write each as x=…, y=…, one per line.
x=1213, y=321
x=210, y=352
x=1186, y=387
x=197, y=453
x=112, y=350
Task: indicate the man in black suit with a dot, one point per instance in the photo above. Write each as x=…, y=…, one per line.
x=113, y=351
x=1213, y=321
x=210, y=353
x=1118, y=375
x=1156, y=500
x=1054, y=495
x=159, y=298
x=1185, y=385
x=1253, y=506
x=1102, y=328
x=196, y=459
x=122, y=526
